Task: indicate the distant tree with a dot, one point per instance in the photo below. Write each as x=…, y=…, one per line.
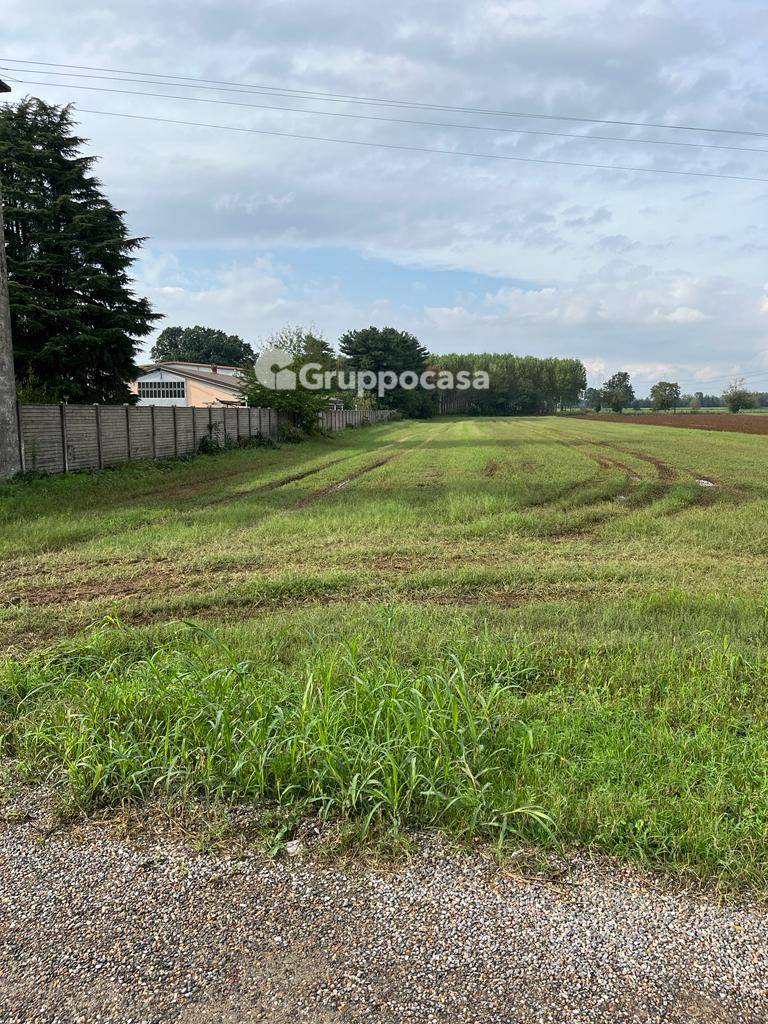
x=301, y=405
x=665, y=395
x=569, y=378
x=201, y=345
x=695, y=404
x=594, y=398
x=707, y=401
x=379, y=349
x=737, y=397
x=75, y=318
x=618, y=391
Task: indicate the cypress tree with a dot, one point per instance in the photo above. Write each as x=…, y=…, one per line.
x=75, y=320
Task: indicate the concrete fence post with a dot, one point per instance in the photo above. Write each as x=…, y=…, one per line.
x=127, y=431
x=64, y=455
x=22, y=462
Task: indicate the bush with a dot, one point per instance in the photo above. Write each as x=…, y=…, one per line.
x=737, y=397
x=288, y=434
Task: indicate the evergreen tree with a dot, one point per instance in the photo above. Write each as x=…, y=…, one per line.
x=385, y=348
x=201, y=345
x=74, y=317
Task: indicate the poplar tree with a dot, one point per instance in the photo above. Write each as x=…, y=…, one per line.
x=76, y=321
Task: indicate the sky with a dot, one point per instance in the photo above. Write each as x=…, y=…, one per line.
x=663, y=275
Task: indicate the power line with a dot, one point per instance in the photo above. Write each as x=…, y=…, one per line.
x=748, y=378
x=378, y=118
x=369, y=100
x=425, y=149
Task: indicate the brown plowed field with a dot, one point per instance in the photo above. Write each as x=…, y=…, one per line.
x=711, y=421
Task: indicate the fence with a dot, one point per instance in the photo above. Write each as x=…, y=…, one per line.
x=63, y=438
x=339, y=419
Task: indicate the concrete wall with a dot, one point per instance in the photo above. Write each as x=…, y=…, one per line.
x=63, y=438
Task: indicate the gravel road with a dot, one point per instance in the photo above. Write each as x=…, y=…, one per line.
x=96, y=929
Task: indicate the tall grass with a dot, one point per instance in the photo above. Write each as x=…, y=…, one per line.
x=349, y=736
x=649, y=753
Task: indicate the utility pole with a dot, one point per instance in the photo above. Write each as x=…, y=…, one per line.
x=10, y=463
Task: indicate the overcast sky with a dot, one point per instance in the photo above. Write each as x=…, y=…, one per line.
x=663, y=275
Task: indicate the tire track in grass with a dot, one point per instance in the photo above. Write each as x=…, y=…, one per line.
x=340, y=485
x=291, y=478
x=667, y=475
x=273, y=485
x=664, y=473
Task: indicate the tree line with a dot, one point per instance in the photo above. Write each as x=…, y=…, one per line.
x=519, y=385
x=618, y=394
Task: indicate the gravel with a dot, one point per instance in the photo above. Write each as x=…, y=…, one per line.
x=94, y=928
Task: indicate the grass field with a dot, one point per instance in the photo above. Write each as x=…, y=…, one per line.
x=544, y=630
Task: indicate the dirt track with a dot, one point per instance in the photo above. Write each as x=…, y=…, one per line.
x=725, y=421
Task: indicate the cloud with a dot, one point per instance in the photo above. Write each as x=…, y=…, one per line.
x=620, y=266
x=683, y=315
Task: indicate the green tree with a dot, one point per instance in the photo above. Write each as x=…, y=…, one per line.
x=76, y=321
x=570, y=381
x=618, y=391
x=300, y=405
x=519, y=385
x=737, y=397
x=201, y=345
x=593, y=399
x=665, y=395
x=380, y=349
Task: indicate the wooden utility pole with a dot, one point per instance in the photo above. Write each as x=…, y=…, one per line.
x=10, y=462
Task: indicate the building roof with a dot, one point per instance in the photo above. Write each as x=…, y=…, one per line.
x=221, y=380
x=188, y=362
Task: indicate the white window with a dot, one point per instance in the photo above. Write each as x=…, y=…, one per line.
x=162, y=389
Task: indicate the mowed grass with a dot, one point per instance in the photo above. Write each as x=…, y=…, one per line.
x=529, y=630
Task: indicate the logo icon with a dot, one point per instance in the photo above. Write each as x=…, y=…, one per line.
x=270, y=370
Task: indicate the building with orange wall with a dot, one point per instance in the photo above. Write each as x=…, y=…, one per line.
x=196, y=384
